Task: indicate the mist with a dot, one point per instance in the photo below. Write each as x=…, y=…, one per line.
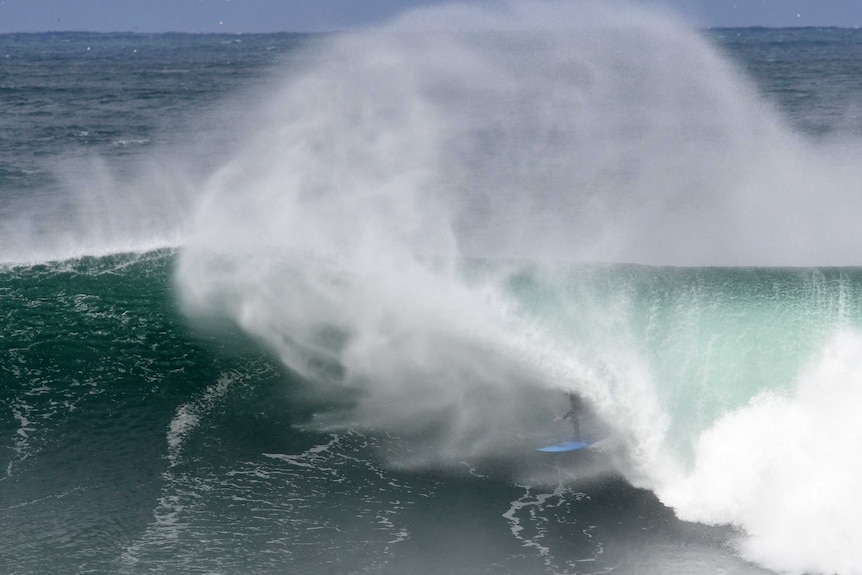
x=338, y=231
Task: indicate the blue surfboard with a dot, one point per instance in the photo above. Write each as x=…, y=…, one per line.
x=566, y=446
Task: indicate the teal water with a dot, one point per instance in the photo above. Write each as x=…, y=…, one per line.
x=288, y=302
x=138, y=443
x=713, y=338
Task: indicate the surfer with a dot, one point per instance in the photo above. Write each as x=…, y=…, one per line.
x=574, y=413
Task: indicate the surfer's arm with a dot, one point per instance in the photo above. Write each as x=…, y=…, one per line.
x=570, y=413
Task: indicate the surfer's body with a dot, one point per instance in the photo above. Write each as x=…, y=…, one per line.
x=574, y=413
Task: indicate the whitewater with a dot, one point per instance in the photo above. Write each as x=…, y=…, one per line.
x=358, y=280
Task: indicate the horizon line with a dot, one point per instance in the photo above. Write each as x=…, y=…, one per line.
x=370, y=28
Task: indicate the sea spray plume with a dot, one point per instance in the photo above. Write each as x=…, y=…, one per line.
x=535, y=130
x=601, y=132
x=637, y=142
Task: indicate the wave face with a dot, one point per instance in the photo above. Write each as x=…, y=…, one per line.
x=388, y=253
x=135, y=443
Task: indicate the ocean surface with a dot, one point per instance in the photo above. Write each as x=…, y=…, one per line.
x=310, y=303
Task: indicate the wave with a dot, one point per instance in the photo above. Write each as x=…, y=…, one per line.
x=730, y=393
x=341, y=236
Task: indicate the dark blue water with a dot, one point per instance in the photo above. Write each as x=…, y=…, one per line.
x=789, y=66
x=188, y=386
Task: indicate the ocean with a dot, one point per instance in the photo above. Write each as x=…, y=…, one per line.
x=309, y=303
